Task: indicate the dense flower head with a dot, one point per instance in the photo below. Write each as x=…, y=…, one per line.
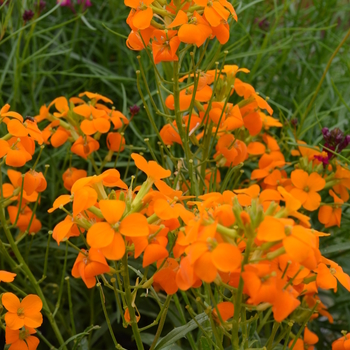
x=28, y=15
x=335, y=141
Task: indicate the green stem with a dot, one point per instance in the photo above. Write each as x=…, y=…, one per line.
x=116, y=345
x=238, y=301
x=128, y=299
x=162, y=321
x=71, y=314
x=183, y=135
x=275, y=327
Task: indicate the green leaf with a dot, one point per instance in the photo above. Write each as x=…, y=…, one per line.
x=180, y=332
x=337, y=248
x=79, y=336
x=204, y=344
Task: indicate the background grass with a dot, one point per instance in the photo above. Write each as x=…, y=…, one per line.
x=286, y=44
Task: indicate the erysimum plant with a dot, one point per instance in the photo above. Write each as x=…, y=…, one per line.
x=220, y=222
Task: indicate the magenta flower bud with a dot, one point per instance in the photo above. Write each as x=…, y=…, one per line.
x=27, y=15
x=325, y=133
x=42, y=5
x=134, y=110
x=294, y=122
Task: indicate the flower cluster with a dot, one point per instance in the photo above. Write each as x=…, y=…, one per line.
x=22, y=317
x=283, y=264
x=22, y=190
x=165, y=26
x=82, y=123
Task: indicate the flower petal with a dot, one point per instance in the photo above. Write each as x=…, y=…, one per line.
x=112, y=210
x=134, y=225
x=153, y=253
x=116, y=249
x=10, y=302
x=100, y=235
x=226, y=257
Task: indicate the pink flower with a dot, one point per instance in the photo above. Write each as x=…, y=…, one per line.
x=64, y=2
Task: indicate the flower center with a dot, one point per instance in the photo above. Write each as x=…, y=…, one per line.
x=211, y=244
x=20, y=312
x=23, y=334
x=288, y=230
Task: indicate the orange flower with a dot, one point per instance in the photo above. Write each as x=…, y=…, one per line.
x=71, y=175
x=232, y=117
x=208, y=257
x=142, y=17
x=256, y=148
x=153, y=170
x=154, y=246
x=331, y=215
x=65, y=229
x=127, y=316
x=226, y=311
x=18, y=152
x=165, y=277
x=215, y=11
x=196, y=32
x=95, y=97
x=107, y=236
x=138, y=39
x=21, y=339
x=87, y=267
x=165, y=45
x=343, y=176
x=5, y=113
x=306, y=188
x=58, y=136
x=96, y=120
x=83, y=147
x=233, y=151
x=7, y=276
x=61, y=105
x=342, y=343
x=327, y=277
x=34, y=182
x=83, y=198
x=186, y=277
x=267, y=163
x=202, y=95
x=222, y=32
x=115, y=142
x=264, y=286
x=19, y=129
x=24, y=218
x=300, y=243
x=16, y=181
x=170, y=134
x=22, y=313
